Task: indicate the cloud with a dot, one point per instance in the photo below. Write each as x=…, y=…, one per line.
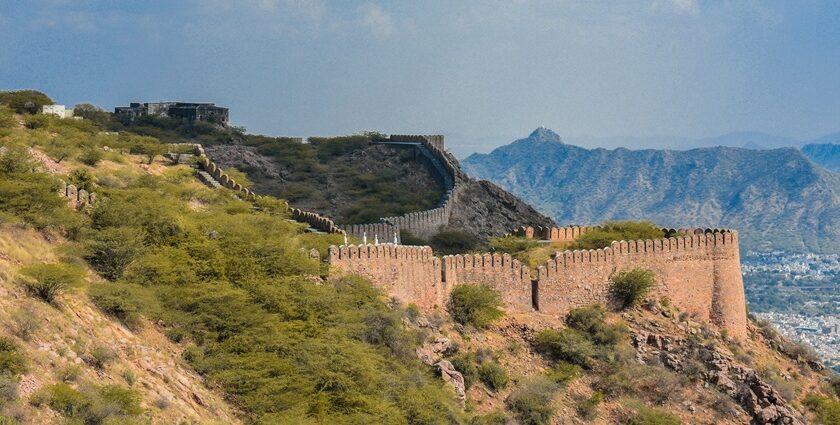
x=376, y=20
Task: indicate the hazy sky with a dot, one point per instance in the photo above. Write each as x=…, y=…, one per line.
x=481, y=72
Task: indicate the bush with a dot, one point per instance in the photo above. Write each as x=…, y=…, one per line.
x=587, y=408
x=99, y=356
x=26, y=322
x=8, y=388
x=532, y=403
x=91, y=156
x=513, y=244
x=651, y=416
x=654, y=384
x=492, y=418
x=566, y=344
x=590, y=321
x=466, y=363
x=563, y=372
x=631, y=286
x=476, y=305
x=82, y=178
x=826, y=409
x=124, y=302
x=48, y=281
x=111, y=250
x=603, y=236
x=453, y=242
x=24, y=101
x=69, y=374
x=91, y=404
x=493, y=375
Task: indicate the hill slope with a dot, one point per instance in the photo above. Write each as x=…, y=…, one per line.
x=776, y=198
x=825, y=154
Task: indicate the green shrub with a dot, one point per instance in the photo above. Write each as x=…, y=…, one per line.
x=826, y=409
x=453, y=242
x=587, y=408
x=652, y=416
x=476, y=305
x=603, y=236
x=99, y=356
x=82, y=178
x=91, y=156
x=111, y=250
x=654, y=384
x=590, y=321
x=567, y=344
x=7, y=117
x=47, y=281
x=466, y=363
x=631, y=286
x=513, y=244
x=124, y=302
x=532, y=402
x=493, y=418
x=408, y=238
x=91, y=404
x=69, y=374
x=8, y=388
x=26, y=322
x=493, y=375
x=563, y=372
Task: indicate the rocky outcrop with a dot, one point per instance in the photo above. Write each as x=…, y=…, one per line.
x=758, y=398
x=453, y=378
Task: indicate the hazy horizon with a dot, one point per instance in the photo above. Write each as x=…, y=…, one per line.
x=482, y=74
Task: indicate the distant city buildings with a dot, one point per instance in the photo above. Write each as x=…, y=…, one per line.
x=207, y=112
x=58, y=110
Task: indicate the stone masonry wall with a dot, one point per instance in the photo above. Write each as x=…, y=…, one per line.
x=76, y=198
x=409, y=273
x=698, y=270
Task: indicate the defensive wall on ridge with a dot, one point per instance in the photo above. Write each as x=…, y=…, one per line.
x=422, y=224
x=697, y=269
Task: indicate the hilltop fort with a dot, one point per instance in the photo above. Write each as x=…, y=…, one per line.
x=697, y=269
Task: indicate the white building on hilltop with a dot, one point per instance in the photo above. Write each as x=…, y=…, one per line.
x=57, y=110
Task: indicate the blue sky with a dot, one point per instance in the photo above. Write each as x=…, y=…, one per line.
x=481, y=72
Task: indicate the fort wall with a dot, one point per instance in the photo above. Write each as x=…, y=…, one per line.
x=409, y=273
x=76, y=198
x=698, y=270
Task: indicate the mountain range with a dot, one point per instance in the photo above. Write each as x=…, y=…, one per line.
x=776, y=198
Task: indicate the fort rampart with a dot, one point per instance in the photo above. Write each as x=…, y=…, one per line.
x=76, y=198
x=697, y=269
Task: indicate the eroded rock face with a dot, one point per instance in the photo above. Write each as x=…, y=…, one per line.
x=758, y=398
x=453, y=378
x=432, y=351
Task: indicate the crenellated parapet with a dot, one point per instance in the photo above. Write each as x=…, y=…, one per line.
x=77, y=198
x=224, y=179
x=383, y=232
x=697, y=269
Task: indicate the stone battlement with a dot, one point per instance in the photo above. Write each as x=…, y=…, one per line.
x=698, y=271
x=77, y=198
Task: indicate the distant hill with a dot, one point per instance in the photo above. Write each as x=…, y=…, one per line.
x=777, y=199
x=825, y=154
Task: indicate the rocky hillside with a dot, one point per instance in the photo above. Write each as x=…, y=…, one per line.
x=825, y=154
x=777, y=199
x=364, y=182
x=648, y=365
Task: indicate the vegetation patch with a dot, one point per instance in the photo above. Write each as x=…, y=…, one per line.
x=630, y=287
x=602, y=236
x=477, y=305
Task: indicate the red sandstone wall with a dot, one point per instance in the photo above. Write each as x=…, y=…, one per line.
x=409, y=273
x=699, y=272
x=507, y=275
